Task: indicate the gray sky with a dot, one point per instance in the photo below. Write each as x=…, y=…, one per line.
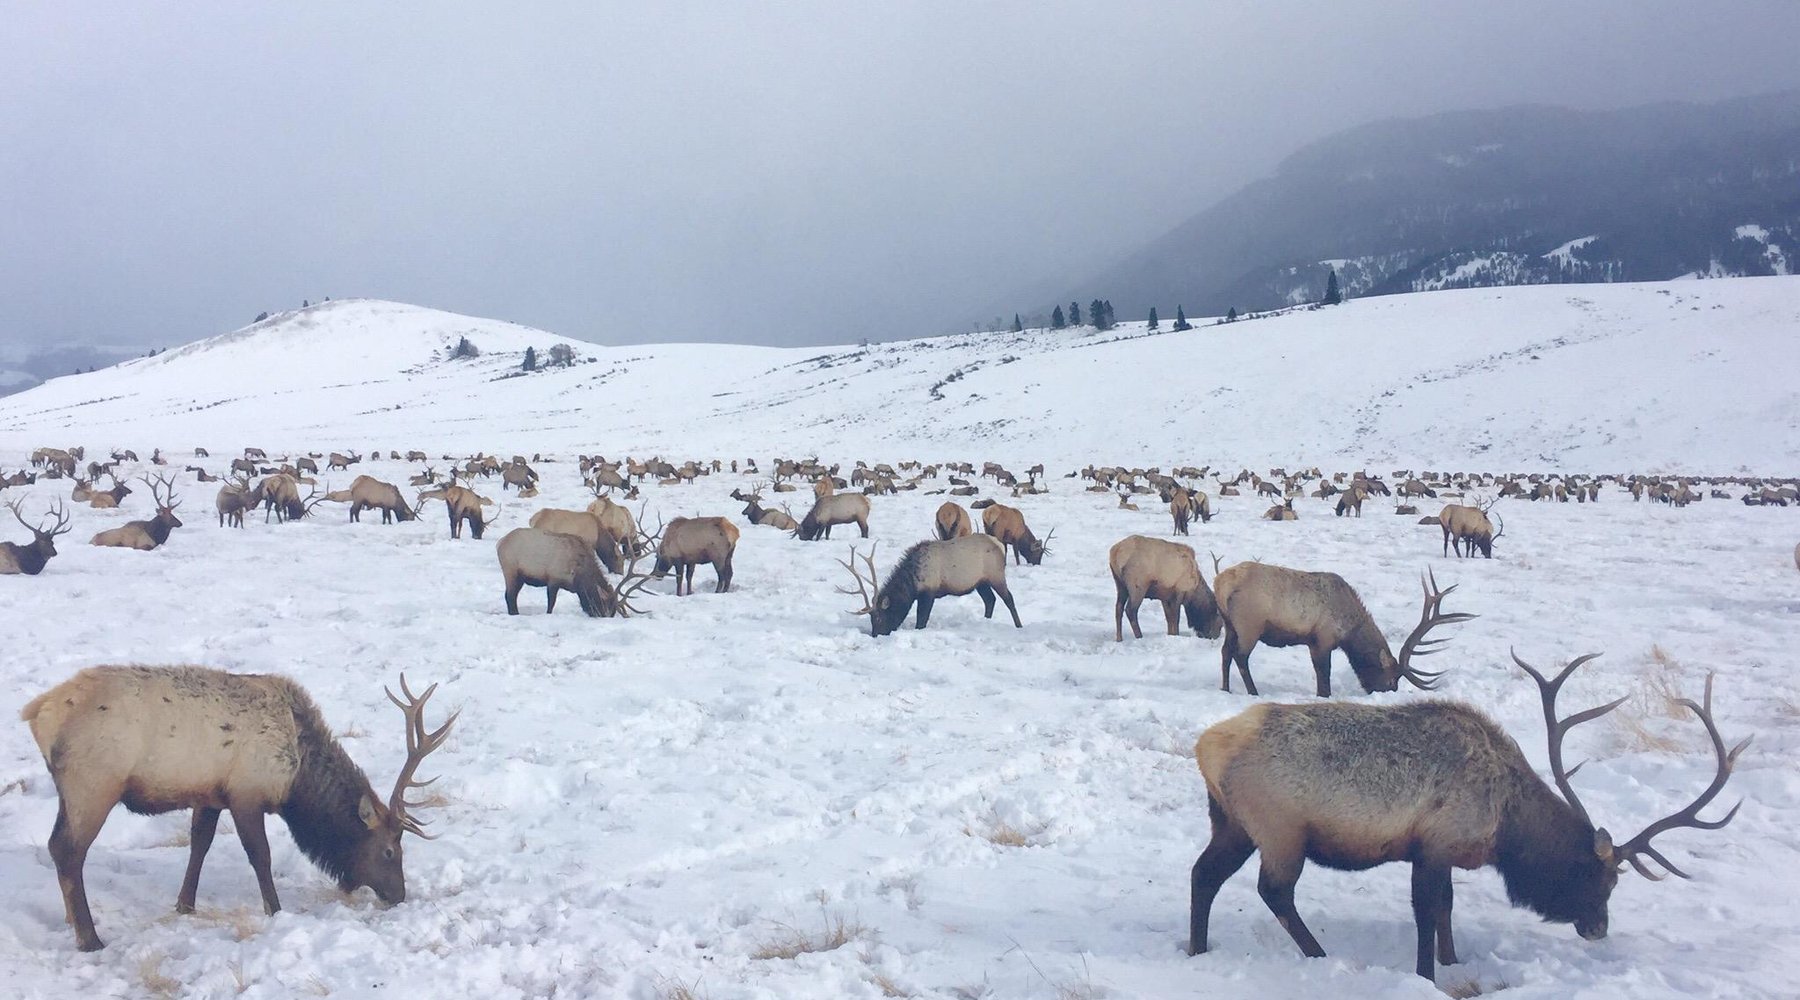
x=773, y=173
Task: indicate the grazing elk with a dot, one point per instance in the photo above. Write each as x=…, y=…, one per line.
x=930, y=570
x=340, y=461
x=165, y=738
x=1467, y=529
x=552, y=560
x=839, y=508
x=1279, y=607
x=688, y=542
x=1434, y=783
x=368, y=492
x=1144, y=567
x=234, y=499
x=616, y=518
x=304, y=464
x=519, y=476
x=464, y=506
x=1007, y=526
x=585, y=526
x=30, y=559
x=146, y=535
x=952, y=521
x=1351, y=501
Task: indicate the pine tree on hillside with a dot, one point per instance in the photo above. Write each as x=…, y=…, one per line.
x=1097, y=315
x=1332, y=295
x=1181, y=322
x=1152, y=317
x=530, y=364
x=1056, y=319
x=1231, y=315
x=1018, y=327
x=1074, y=314
x=1106, y=304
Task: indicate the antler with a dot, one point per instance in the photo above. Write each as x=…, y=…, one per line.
x=1429, y=618
x=1547, y=690
x=162, y=491
x=645, y=545
x=15, y=506
x=419, y=744
x=57, y=511
x=862, y=587
x=1638, y=848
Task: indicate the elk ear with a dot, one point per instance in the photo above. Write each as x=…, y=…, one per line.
x=369, y=811
x=1603, y=847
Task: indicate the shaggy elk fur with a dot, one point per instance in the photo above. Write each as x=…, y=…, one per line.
x=951, y=521
x=839, y=508
x=165, y=738
x=1144, y=567
x=367, y=492
x=555, y=561
x=29, y=559
x=930, y=570
x=1277, y=606
x=1434, y=783
x=584, y=526
x=1007, y=526
x=689, y=542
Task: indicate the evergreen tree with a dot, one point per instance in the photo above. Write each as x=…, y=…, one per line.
x=1100, y=314
x=1106, y=304
x=1332, y=295
x=530, y=364
x=1056, y=319
x=1018, y=327
x=1181, y=322
x=465, y=349
x=1074, y=314
x=1152, y=317
x=260, y=317
x=1231, y=315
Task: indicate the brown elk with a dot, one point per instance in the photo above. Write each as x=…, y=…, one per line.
x=1351, y=501
x=304, y=464
x=952, y=521
x=616, y=518
x=1434, y=783
x=165, y=738
x=1467, y=529
x=519, y=476
x=758, y=514
x=29, y=559
x=108, y=499
x=839, y=508
x=281, y=497
x=368, y=492
x=341, y=461
x=585, y=526
x=1279, y=607
x=689, y=542
x=1282, y=512
x=146, y=535
x=1007, y=525
x=464, y=507
x=1181, y=509
x=930, y=570
x=1144, y=567
x=1125, y=502
x=555, y=561
x=426, y=478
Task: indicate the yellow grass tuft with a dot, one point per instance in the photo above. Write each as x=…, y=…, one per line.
x=150, y=973
x=1473, y=988
x=791, y=942
x=998, y=831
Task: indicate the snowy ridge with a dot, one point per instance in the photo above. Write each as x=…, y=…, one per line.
x=1664, y=377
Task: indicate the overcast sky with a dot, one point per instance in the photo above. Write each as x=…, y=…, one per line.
x=773, y=173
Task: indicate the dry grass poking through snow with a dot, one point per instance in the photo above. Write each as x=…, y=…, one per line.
x=157, y=984
x=1659, y=697
x=792, y=942
x=998, y=831
x=1473, y=988
x=675, y=989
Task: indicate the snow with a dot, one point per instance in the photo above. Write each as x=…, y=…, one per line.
x=1565, y=254
x=632, y=806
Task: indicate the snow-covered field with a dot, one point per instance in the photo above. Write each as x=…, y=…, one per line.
x=641, y=807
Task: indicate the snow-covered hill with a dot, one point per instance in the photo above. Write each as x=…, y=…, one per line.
x=1697, y=376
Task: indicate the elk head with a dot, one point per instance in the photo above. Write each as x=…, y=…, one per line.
x=44, y=539
x=162, y=493
x=377, y=861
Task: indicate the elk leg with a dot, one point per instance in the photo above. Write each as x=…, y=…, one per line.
x=200, y=838
x=249, y=823
x=1172, y=611
x=1276, y=887
x=864, y=525
x=1006, y=595
x=724, y=571
x=1119, y=615
x=1446, y=945
x=986, y=593
x=69, y=842
x=1321, y=657
x=513, y=586
x=1446, y=543
x=925, y=603
x=550, y=598
x=1229, y=848
x=691, y=567
x=1431, y=910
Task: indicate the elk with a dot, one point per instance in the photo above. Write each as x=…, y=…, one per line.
x=30, y=559
x=304, y=464
x=1007, y=525
x=165, y=738
x=1281, y=512
x=1468, y=528
x=281, y=497
x=146, y=535
x=201, y=475
x=1181, y=509
x=234, y=499
x=688, y=542
x=107, y=499
x=369, y=492
x=340, y=461
x=464, y=506
x=426, y=478
x=1125, y=502
x=1279, y=607
x=585, y=526
x=839, y=508
x=616, y=518
x=930, y=570
x=1351, y=501
x=1435, y=783
x=519, y=476
x=555, y=561
x=1144, y=567
x=952, y=521
x=758, y=514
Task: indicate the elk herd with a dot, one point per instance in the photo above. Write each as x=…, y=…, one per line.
x=1346, y=784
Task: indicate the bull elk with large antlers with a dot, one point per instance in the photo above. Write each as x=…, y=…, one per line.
x=1434, y=783
x=165, y=738
x=1278, y=607
x=146, y=535
x=930, y=570
x=30, y=559
x=1467, y=529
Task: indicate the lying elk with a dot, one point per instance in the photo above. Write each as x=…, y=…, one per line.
x=249, y=743
x=1435, y=783
x=30, y=559
x=839, y=508
x=146, y=535
x=952, y=521
x=1467, y=529
x=1144, y=567
x=1279, y=607
x=758, y=514
x=367, y=492
x=464, y=506
x=1007, y=526
x=555, y=561
x=689, y=542
x=585, y=526
x=108, y=499
x=1281, y=512
x=235, y=498
x=930, y=570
